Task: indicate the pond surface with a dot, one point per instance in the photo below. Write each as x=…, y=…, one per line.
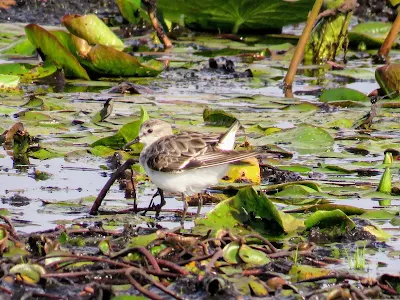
x=179, y=96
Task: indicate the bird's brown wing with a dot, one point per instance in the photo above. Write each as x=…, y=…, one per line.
x=187, y=151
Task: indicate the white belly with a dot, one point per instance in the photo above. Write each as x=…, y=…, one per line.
x=187, y=182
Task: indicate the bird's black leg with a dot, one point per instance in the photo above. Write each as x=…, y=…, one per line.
x=185, y=208
x=199, y=205
x=152, y=201
x=162, y=202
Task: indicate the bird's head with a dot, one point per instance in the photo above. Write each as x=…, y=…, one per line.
x=150, y=131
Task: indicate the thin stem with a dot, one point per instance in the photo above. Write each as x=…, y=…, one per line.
x=298, y=54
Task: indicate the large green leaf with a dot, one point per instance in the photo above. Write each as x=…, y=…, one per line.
x=28, y=71
x=305, y=138
x=339, y=94
x=323, y=218
x=8, y=81
x=232, y=15
x=247, y=212
x=127, y=133
x=371, y=33
x=49, y=45
x=92, y=29
x=132, y=10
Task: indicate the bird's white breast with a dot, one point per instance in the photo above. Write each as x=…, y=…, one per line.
x=188, y=182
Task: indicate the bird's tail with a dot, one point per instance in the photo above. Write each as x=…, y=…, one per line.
x=227, y=141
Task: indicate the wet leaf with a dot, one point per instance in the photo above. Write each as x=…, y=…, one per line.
x=8, y=81
x=247, y=212
x=28, y=71
x=28, y=273
x=305, y=138
x=343, y=94
x=218, y=117
x=231, y=253
x=92, y=29
x=252, y=256
x=310, y=186
x=127, y=133
x=55, y=51
x=301, y=272
x=230, y=16
x=132, y=10
x=258, y=288
x=385, y=184
x=327, y=39
x=104, y=247
x=371, y=33
x=347, y=209
x=380, y=234
x=21, y=46
x=324, y=219
x=143, y=240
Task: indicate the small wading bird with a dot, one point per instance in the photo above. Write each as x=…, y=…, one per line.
x=187, y=162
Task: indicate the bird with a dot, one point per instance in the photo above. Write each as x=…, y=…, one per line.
x=186, y=162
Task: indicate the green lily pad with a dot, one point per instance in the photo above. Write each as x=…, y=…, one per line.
x=247, y=212
x=232, y=15
x=49, y=45
x=252, y=256
x=343, y=94
x=371, y=33
x=8, y=81
x=305, y=138
x=231, y=253
x=324, y=219
x=22, y=46
x=127, y=133
x=218, y=117
x=301, y=272
x=27, y=71
x=30, y=273
x=132, y=10
x=92, y=29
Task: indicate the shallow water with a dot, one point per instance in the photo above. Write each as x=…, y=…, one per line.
x=180, y=95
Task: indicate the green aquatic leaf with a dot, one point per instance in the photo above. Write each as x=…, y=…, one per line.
x=327, y=38
x=372, y=34
x=385, y=184
x=22, y=46
x=28, y=72
x=301, y=272
x=341, y=94
x=132, y=10
x=324, y=219
x=252, y=256
x=304, y=138
x=235, y=15
x=92, y=29
x=218, y=117
x=247, y=212
x=53, y=50
x=231, y=253
x=8, y=81
x=127, y=133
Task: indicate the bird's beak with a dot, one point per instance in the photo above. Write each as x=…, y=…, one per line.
x=135, y=141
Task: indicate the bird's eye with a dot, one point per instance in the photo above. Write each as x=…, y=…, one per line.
x=150, y=130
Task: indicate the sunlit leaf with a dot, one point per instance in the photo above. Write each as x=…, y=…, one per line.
x=92, y=29
x=324, y=219
x=55, y=51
